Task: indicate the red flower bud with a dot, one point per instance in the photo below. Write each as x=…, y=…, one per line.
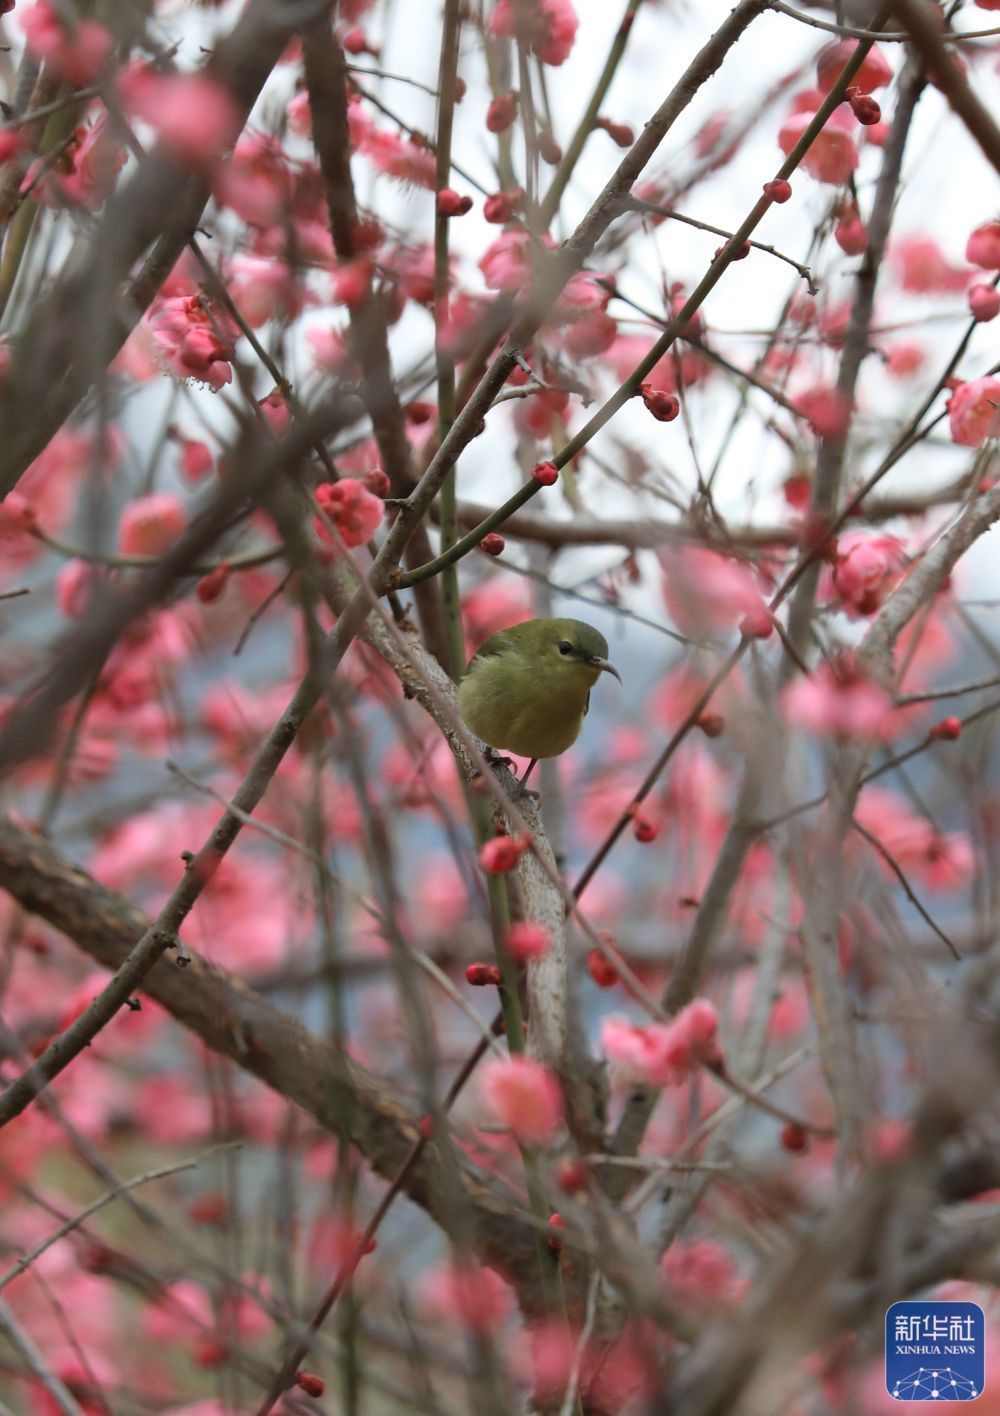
x=425, y=1127
x=310, y=1383
x=210, y=1208
x=713, y=725
x=501, y=112
x=211, y=586
x=449, y=203
x=501, y=206
x=984, y=302
x=355, y=42
x=663, y=406
x=619, y=133
x=601, y=969
x=545, y=473
x=644, y=828
x=482, y=975
x=556, y=1222
x=419, y=411
x=571, y=1176
x=865, y=108
x=492, y=544
x=377, y=482
x=757, y=624
x=779, y=190
x=794, y=1138
x=947, y=730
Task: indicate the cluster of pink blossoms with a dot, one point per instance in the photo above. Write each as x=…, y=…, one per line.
x=193, y=340
x=548, y=26
x=833, y=156
x=352, y=508
x=665, y=1054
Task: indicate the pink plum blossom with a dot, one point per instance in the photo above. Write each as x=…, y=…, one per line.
x=525, y=1097
x=76, y=53
x=974, y=412
x=466, y=1295
x=937, y=861
x=922, y=267
x=354, y=511
x=839, y=700
x=705, y=590
x=193, y=341
x=701, y=1270
x=833, y=155
x=867, y=570
x=150, y=525
x=195, y=116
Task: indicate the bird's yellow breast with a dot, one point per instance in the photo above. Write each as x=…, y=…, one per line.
x=514, y=707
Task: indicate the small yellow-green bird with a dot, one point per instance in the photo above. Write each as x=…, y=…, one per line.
x=527, y=689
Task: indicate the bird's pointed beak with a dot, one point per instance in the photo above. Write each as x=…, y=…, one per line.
x=606, y=667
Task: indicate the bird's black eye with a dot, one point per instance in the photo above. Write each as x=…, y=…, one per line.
x=565, y=647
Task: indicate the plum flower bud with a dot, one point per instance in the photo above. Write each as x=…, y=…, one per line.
x=947, y=730
x=211, y=586
x=601, y=969
x=556, y=1224
x=492, y=544
x=663, y=406
x=778, y=191
x=644, y=828
x=527, y=939
x=502, y=853
x=571, y=1175
x=502, y=112
x=356, y=42
x=865, y=108
x=850, y=234
x=713, y=725
x=525, y=1097
x=501, y=206
x=482, y=975
x=757, y=623
x=619, y=133
x=449, y=203
x=377, y=482
x=310, y=1383
x=546, y=474
x=983, y=246
x=984, y=303
x=794, y=1139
